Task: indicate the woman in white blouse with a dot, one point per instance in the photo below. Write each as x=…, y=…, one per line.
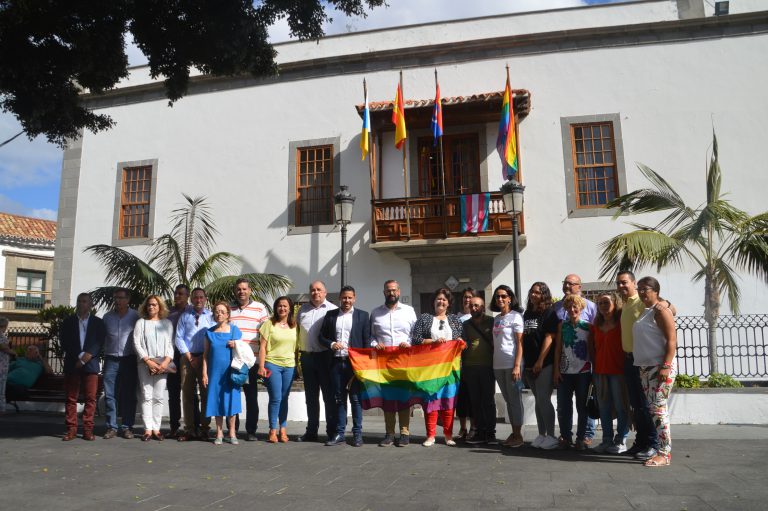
x=152, y=338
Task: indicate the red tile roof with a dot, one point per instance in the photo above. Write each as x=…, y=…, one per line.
x=24, y=228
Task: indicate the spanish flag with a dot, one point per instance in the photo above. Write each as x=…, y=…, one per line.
x=506, y=142
x=398, y=118
x=366, y=128
x=394, y=379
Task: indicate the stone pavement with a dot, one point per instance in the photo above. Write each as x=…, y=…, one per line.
x=713, y=467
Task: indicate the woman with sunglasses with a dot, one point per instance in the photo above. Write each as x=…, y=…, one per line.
x=654, y=347
x=442, y=326
x=508, y=358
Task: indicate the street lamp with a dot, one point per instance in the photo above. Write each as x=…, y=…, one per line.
x=512, y=192
x=343, y=203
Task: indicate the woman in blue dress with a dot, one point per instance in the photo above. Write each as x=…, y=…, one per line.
x=223, y=396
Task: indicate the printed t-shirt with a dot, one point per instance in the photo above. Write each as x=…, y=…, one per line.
x=505, y=330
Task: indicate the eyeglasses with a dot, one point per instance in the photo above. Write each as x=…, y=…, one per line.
x=197, y=319
x=501, y=297
x=442, y=324
x=152, y=305
x=571, y=284
x=644, y=289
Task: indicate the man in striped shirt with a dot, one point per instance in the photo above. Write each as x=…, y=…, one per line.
x=248, y=315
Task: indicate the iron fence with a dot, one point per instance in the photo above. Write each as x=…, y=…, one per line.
x=741, y=346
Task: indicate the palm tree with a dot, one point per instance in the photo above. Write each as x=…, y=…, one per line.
x=182, y=257
x=716, y=237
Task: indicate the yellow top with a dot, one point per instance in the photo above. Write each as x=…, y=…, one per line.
x=632, y=310
x=281, y=344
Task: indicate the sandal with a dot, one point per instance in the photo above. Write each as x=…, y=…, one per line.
x=146, y=437
x=660, y=460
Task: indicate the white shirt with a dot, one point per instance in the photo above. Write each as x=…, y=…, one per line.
x=343, y=329
x=391, y=327
x=505, y=330
x=310, y=321
x=440, y=333
x=83, y=327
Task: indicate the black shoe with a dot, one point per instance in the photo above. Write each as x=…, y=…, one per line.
x=636, y=448
x=645, y=454
x=336, y=440
x=250, y=437
x=404, y=440
x=387, y=441
x=477, y=438
x=491, y=439
x=358, y=442
x=308, y=437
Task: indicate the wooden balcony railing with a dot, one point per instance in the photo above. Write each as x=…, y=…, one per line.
x=24, y=300
x=432, y=218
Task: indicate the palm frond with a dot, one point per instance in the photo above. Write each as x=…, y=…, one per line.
x=714, y=176
x=636, y=249
x=265, y=286
x=165, y=255
x=214, y=267
x=103, y=297
x=725, y=278
x=749, y=249
x=193, y=227
x=124, y=269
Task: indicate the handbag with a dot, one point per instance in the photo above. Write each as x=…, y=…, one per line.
x=238, y=377
x=593, y=409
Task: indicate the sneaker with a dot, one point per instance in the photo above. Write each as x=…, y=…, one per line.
x=429, y=442
x=536, y=444
x=646, y=454
x=549, y=443
x=474, y=438
x=404, y=440
x=250, y=437
x=387, y=441
x=233, y=440
x=618, y=447
x=111, y=433
x=490, y=439
x=602, y=447
x=634, y=449
x=450, y=442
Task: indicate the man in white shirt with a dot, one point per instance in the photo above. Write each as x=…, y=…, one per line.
x=248, y=315
x=391, y=325
x=315, y=360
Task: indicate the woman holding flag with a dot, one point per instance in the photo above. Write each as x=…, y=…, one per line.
x=439, y=327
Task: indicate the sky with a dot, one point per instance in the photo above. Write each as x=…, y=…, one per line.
x=30, y=171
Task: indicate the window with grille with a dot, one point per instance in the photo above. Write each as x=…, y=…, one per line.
x=135, y=202
x=594, y=164
x=314, y=185
x=461, y=162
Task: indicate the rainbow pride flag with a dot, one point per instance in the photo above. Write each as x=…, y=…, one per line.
x=394, y=379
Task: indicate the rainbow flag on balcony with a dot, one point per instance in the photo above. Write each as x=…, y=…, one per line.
x=474, y=212
x=394, y=379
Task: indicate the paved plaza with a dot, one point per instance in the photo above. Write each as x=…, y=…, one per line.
x=713, y=467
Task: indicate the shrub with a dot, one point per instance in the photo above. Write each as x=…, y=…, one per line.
x=684, y=381
x=718, y=380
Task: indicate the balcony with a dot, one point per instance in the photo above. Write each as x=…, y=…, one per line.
x=436, y=221
x=24, y=300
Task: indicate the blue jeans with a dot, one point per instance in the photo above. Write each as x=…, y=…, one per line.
x=609, y=398
x=570, y=384
x=645, y=436
x=279, y=388
x=120, y=383
x=316, y=371
x=341, y=374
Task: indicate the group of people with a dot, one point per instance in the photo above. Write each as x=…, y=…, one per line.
x=623, y=347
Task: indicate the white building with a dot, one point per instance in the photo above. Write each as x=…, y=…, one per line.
x=652, y=77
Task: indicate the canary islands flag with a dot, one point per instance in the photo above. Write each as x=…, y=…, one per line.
x=398, y=118
x=506, y=142
x=366, y=128
x=394, y=379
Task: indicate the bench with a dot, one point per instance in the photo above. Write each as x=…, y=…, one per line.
x=49, y=388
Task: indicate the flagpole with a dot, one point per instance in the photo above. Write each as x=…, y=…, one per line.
x=371, y=169
x=441, y=163
x=405, y=165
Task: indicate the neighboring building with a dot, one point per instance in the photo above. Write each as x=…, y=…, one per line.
x=26, y=266
x=597, y=89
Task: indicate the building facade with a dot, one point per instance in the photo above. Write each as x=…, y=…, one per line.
x=597, y=90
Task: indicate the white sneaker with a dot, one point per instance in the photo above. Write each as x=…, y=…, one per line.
x=537, y=441
x=618, y=447
x=429, y=442
x=549, y=443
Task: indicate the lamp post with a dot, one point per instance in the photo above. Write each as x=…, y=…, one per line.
x=343, y=203
x=512, y=193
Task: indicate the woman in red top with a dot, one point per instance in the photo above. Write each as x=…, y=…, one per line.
x=608, y=356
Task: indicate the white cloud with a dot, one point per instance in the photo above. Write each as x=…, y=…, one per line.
x=44, y=213
x=14, y=207
x=24, y=162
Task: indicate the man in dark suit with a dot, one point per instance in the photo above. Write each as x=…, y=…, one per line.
x=82, y=339
x=344, y=328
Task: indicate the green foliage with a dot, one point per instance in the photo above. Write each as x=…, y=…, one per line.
x=182, y=257
x=684, y=381
x=719, y=380
x=51, y=52
x=51, y=318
